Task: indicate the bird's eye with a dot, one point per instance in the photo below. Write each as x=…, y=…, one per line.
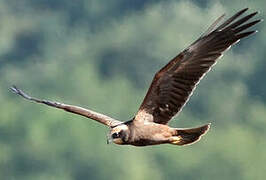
x=115, y=135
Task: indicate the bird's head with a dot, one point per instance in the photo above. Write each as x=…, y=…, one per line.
x=118, y=134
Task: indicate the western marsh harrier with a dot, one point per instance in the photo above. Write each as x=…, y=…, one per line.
x=170, y=89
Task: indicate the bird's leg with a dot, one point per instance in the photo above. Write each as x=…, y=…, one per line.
x=175, y=140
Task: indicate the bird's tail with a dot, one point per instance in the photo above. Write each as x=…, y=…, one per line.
x=189, y=136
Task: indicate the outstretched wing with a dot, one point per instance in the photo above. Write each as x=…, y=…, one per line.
x=70, y=108
x=174, y=83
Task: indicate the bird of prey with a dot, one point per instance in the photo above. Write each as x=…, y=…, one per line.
x=170, y=89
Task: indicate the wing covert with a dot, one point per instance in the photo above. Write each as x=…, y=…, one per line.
x=174, y=83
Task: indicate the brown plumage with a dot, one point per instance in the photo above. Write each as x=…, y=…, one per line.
x=170, y=89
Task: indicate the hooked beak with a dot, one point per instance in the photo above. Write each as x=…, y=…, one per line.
x=109, y=139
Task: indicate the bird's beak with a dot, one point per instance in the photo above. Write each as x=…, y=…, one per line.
x=109, y=139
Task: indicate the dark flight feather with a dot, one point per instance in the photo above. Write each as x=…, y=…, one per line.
x=106, y=120
x=174, y=83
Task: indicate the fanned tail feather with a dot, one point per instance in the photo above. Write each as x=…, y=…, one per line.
x=189, y=135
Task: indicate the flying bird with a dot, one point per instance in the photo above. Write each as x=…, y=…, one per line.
x=170, y=89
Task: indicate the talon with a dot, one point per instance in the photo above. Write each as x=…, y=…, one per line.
x=176, y=139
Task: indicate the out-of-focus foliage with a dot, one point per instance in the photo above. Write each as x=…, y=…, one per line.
x=103, y=55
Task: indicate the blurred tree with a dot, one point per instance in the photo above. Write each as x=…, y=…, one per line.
x=103, y=55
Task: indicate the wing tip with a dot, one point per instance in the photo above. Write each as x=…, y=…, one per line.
x=15, y=90
x=19, y=92
x=253, y=14
x=242, y=11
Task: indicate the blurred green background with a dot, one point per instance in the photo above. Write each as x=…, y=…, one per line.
x=102, y=55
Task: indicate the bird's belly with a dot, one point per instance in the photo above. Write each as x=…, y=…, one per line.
x=146, y=138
